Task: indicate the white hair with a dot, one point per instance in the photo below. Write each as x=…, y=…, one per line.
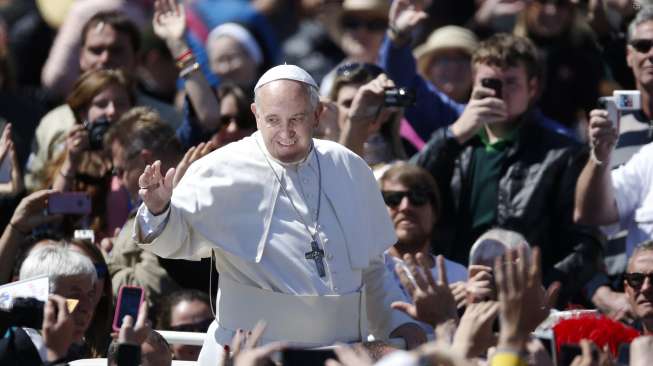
x=645, y=14
x=56, y=261
x=311, y=91
x=495, y=243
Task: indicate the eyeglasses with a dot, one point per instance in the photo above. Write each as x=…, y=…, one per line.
x=199, y=327
x=372, y=25
x=636, y=279
x=352, y=68
x=415, y=197
x=642, y=45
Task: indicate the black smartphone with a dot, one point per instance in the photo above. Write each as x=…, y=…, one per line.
x=303, y=357
x=494, y=84
x=129, y=301
x=69, y=203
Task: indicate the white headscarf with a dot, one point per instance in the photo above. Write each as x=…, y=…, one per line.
x=240, y=34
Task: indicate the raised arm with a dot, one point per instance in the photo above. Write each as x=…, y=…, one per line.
x=595, y=202
x=169, y=23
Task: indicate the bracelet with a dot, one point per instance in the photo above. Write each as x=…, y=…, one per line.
x=13, y=227
x=188, y=70
x=184, y=54
x=185, y=62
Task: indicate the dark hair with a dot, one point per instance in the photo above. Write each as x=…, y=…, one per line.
x=353, y=73
x=91, y=83
x=170, y=301
x=243, y=102
x=119, y=22
x=414, y=177
x=506, y=50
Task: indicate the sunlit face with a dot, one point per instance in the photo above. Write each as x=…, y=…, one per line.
x=111, y=103
x=230, y=130
x=641, y=299
x=189, y=313
x=229, y=60
x=107, y=49
x=517, y=91
x=642, y=62
x=450, y=70
x=413, y=223
x=78, y=287
x=127, y=168
x=362, y=36
x=286, y=119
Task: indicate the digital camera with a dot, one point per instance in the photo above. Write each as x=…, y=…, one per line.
x=96, y=131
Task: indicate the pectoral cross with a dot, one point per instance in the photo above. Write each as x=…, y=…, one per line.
x=317, y=254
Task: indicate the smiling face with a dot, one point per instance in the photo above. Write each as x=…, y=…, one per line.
x=642, y=62
x=106, y=48
x=286, y=119
x=111, y=103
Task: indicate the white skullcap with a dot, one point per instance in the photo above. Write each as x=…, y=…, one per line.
x=240, y=34
x=286, y=72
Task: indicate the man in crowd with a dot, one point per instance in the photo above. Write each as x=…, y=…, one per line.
x=290, y=220
x=109, y=41
x=497, y=165
x=638, y=283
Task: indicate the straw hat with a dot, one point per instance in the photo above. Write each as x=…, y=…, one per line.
x=376, y=7
x=446, y=37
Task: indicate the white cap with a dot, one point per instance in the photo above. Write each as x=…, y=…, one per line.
x=286, y=72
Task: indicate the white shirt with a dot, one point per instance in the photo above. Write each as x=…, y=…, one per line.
x=632, y=185
x=232, y=197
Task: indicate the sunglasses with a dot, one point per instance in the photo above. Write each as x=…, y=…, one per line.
x=636, y=280
x=352, y=68
x=199, y=327
x=642, y=45
x=373, y=25
x=415, y=197
x=225, y=120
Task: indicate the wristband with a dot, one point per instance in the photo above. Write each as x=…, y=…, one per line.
x=503, y=358
x=188, y=70
x=183, y=55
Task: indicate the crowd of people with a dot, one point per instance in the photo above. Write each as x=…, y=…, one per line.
x=426, y=180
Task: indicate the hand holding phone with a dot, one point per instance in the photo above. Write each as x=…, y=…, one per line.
x=494, y=84
x=71, y=203
x=129, y=302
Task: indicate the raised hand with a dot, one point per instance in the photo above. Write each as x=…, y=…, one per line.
x=641, y=351
x=474, y=334
x=433, y=302
x=483, y=107
x=480, y=285
x=403, y=18
x=58, y=327
x=244, y=350
x=156, y=189
x=169, y=21
x=193, y=154
x=135, y=333
x=29, y=213
x=602, y=134
x=351, y=356
x=15, y=184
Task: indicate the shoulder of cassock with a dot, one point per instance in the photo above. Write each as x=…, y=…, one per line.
x=228, y=198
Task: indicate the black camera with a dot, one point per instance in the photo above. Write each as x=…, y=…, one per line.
x=24, y=312
x=494, y=84
x=96, y=131
x=398, y=97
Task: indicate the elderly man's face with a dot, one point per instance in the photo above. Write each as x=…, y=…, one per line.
x=640, y=59
x=286, y=119
x=413, y=221
x=78, y=287
x=105, y=48
x=640, y=296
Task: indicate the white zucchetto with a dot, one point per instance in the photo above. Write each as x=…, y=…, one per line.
x=286, y=72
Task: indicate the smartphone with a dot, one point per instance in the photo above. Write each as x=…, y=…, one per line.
x=129, y=301
x=75, y=203
x=494, y=84
x=5, y=169
x=302, y=357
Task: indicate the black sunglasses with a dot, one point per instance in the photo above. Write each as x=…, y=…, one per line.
x=352, y=68
x=642, y=45
x=349, y=22
x=415, y=197
x=636, y=279
x=226, y=120
x=199, y=327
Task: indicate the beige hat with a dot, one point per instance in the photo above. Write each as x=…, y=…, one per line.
x=380, y=7
x=446, y=37
x=54, y=11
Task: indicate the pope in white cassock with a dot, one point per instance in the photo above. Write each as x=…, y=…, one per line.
x=298, y=227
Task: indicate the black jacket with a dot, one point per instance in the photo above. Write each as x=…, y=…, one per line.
x=535, y=198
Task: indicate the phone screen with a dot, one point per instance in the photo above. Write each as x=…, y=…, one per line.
x=301, y=357
x=77, y=203
x=129, y=300
x=5, y=169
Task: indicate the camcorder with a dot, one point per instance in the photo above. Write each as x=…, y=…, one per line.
x=23, y=312
x=96, y=131
x=398, y=97
x=620, y=101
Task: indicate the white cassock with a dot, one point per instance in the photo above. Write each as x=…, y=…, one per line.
x=231, y=202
